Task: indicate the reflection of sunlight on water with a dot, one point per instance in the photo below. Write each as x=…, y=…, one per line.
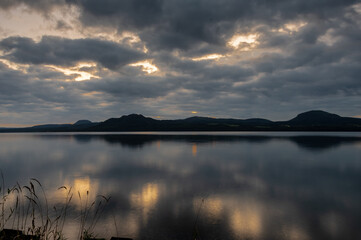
x=194, y=149
x=86, y=189
x=244, y=217
x=246, y=221
x=294, y=233
x=212, y=208
x=146, y=199
x=81, y=186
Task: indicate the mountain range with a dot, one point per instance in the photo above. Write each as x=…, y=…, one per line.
x=315, y=120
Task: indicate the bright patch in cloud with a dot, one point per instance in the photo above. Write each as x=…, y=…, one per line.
x=132, y=37
x=92, y=93
x=292, y=26
x=208, y=57
x=76, y=70
x=15, y=66
x=23, y=21
x=146, y=66
x=328, y=38
x=357, y=8
x=236, y=40
x=194, y=112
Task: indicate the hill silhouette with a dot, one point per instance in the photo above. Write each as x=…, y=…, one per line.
x=315, y=120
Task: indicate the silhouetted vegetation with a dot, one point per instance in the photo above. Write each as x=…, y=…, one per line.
x=26, y=214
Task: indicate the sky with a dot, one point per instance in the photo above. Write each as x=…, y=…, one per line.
x=65, y=60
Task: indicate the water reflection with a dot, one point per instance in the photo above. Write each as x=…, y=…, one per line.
x=243, y=187
x=308, y=142
x=145, y=199
x=194, y=149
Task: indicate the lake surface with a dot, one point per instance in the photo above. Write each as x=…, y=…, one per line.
x=214, y=185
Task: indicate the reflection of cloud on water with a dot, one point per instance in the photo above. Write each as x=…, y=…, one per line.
x=127, y=225
x=254, y=182
x=293, y=232
x=332, y=223
x=249, y=217
x=83, y=189
x=211, y=208
x=246, y=222
x=255, y=188
x=146, y=199
x=243, y=215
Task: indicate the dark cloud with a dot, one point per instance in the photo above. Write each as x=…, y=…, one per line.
x=129, y=88
x=130, y=13
x=66, y=52
x=186, y=24
x=307, y=55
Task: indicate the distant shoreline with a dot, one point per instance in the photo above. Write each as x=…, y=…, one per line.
x=311, y=121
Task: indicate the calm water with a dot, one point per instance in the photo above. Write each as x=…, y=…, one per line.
x=241, y=185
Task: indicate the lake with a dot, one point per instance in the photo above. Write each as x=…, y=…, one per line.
x=213, y=185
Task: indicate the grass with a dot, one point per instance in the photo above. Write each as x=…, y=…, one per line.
x=25, y=209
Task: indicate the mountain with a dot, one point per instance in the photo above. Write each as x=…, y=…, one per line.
x=315, y=120
x=132, y=122
x=80, y=125
x=321, y=120
x=82, y=122
x=316, y=117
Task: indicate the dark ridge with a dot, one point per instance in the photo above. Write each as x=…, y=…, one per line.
x=315, y=120
x=316, y=117
x=82, y=122
x=132, y=122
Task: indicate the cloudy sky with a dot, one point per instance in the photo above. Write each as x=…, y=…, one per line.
x=64, y=60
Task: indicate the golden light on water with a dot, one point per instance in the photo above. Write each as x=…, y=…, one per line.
x=294, y=233
x=246, y=222
x=194, y=149
x=244, y=216
x=146, y=199
x=82, y=185
x=82, y=188
x=212, y=207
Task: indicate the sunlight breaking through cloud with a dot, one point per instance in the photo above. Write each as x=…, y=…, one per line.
x=77, y=70
x=236, y=40
x=208, y=57
x=292, y=27
x=146, y=66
